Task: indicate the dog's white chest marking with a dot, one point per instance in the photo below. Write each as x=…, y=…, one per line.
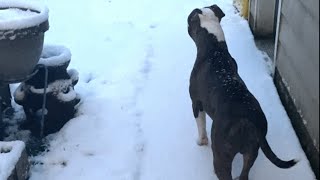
x=210, y=22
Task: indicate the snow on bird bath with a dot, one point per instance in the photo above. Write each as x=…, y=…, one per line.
x=74, y=75
x=54, y=55
x=17, y=14
x=58, y=86
x=19, y=93
x=9, y=155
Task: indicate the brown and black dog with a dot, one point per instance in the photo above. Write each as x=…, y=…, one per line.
x=239, y=124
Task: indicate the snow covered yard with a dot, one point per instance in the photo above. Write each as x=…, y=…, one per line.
x=135, y=121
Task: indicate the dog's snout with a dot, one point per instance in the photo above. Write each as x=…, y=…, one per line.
x=193, y=16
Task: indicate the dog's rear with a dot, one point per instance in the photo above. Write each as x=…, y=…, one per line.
x=239, y=124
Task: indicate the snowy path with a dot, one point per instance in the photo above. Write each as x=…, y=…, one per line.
x=135, y=121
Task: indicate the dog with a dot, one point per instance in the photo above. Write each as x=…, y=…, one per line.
x=239, y=124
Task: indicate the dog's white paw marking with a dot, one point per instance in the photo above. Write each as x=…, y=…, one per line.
x=210, y=22
x=202, y=141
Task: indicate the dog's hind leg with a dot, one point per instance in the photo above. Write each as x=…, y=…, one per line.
x=223, y=165
x=248, y=161
x=200, y=116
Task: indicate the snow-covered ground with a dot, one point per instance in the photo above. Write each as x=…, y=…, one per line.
x=135, y=121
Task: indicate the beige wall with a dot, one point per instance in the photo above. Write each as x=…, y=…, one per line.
x=297, y=58
x=261, y=17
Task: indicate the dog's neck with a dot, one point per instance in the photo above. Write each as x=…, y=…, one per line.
x=209, y=48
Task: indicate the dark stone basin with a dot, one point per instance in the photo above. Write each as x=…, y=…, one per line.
x=20, y=45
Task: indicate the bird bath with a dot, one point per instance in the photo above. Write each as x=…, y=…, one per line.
x=22, y=28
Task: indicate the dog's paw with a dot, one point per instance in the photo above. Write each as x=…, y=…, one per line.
x=202, y=141
x=237, y=178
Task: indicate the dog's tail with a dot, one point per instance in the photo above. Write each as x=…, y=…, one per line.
x=272, y=157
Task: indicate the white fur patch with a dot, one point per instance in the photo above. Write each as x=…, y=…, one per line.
x=210, y=21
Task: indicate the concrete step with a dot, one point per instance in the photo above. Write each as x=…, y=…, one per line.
x=14, y=164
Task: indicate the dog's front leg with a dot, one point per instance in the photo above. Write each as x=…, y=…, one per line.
x=200, y=116
x=201, y=123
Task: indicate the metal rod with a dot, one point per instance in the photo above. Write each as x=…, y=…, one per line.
x=1, y=123
x=44, y=98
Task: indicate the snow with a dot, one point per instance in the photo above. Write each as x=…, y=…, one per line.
x=61, y=88
x=15, y=18
x=19, y=93
x=74, y=75
x=69, y=96
x=135, y=120
x=54, y=55
x=10, y=153
x=14, y=13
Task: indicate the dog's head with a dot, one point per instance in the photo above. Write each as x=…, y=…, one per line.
x=206, y=21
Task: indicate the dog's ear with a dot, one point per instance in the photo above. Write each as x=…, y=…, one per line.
x=217, y=11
